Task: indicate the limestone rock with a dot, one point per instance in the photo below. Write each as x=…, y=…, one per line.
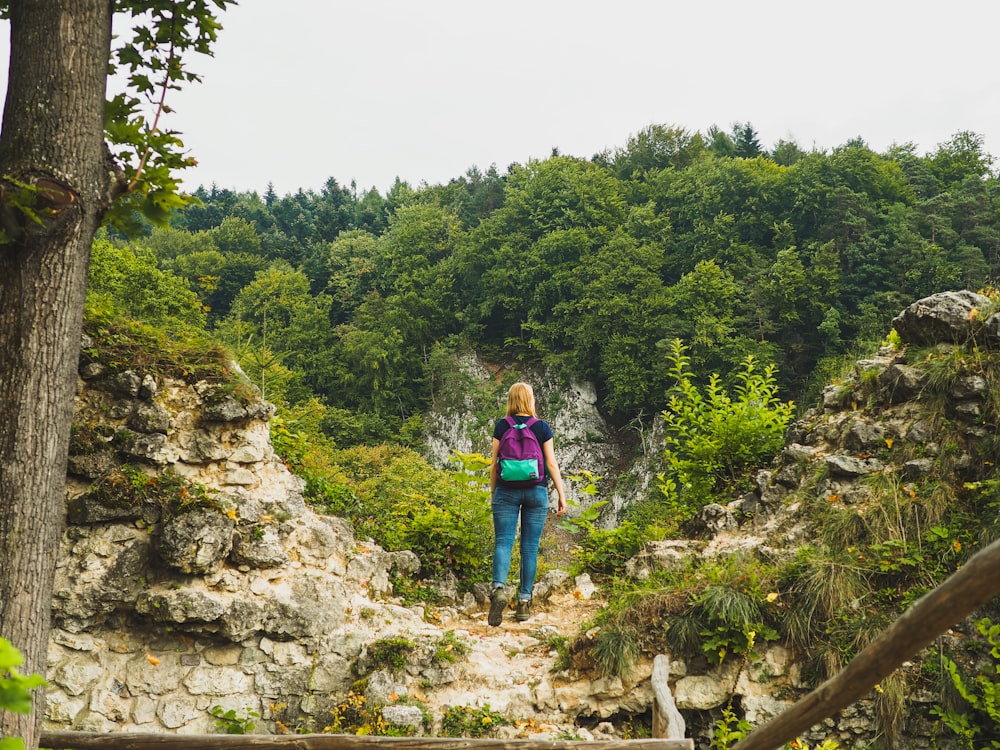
x=711, y=520
x=105, y=572
x=551, y=582
x=258, y=546
x=148, y=417
x=181, y=606
x=196, y=542
x=700, y=692
x=126, y=383
x=101, y=505
x=152, y=447
x=864, y=435
x=382, y=686
x=849, y=466
x=403, y=716
x=940, y=317
x=902, y=382
x=93, y=465
x=584, y=587
x=224, y=409
x=969, y=386
x=669, y=554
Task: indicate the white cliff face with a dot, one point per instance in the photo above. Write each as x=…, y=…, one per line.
x=583, y=439
x=449, y=424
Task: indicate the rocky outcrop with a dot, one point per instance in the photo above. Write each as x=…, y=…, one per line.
x=887, y=421
x=948, y=318
x=193, y=575
x=194, y=579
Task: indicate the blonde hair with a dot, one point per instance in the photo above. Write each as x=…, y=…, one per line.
x=520, y=400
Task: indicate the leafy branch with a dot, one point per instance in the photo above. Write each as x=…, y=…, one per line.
x=15, y=689
x=153, y=56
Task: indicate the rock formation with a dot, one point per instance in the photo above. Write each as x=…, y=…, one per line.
x=194, y=576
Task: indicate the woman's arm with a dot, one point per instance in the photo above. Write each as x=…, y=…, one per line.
x=552, y=467
x=494, y=467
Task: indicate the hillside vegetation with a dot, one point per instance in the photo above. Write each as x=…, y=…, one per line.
x=588, y=266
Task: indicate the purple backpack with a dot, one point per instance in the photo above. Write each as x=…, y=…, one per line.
x=520, y=455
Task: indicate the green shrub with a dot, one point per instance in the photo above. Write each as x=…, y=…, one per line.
x=404, y=503
x=391, y=652
x=616, y=651
x=468, y=721
x=450, y=648
x=354, y=715
x=729, y=729
x=713, y=439
x=187, y=353
x=229, y=722
x=127, y=280
x=605, y=551
x=976, y=717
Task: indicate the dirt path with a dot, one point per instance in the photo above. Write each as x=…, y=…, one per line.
x=562, y=614
x=517, y=669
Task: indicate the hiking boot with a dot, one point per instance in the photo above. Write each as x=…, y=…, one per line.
x=498, y=603
x=523, y=611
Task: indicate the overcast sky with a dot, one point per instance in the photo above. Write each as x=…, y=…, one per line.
x=303, y=90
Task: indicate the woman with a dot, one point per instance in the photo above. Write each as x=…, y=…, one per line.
x=528, y=499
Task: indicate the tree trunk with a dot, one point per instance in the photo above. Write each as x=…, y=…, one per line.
x=52, y=139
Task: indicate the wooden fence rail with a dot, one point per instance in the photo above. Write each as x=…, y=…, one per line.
x=974, y=584
x=127, y=741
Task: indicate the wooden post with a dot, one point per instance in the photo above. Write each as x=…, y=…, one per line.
x=667, y=720
x=974, y=584
x=125, y=741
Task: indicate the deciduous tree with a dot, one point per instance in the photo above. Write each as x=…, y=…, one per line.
x=64, y=167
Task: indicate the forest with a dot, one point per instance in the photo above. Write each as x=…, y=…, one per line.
x=351, y=301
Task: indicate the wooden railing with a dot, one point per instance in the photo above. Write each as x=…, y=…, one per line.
x=124, y=741
x=974, y=584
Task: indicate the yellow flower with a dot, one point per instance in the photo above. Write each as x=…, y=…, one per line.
x=772, y=596
x=888, y=442
x=487, y=720
x=956, y=545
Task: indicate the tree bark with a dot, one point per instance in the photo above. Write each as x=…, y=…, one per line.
x=52, y=140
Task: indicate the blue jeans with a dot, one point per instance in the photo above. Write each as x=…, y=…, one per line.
x=532, y=505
